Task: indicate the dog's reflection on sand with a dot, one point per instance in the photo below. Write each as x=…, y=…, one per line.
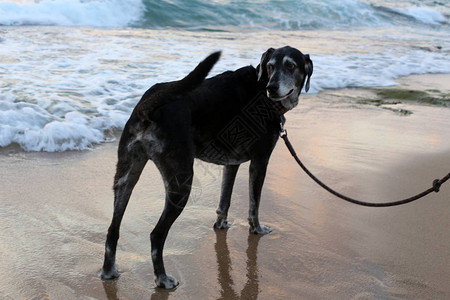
x=224, y=278
x=251, y=288
x=111, y=289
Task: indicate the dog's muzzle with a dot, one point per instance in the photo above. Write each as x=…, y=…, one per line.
x=273, y=96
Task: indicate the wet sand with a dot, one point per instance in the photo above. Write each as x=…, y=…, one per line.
x=56, y=207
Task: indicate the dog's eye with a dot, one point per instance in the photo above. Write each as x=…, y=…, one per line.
x=290, y=66
x=269, y=68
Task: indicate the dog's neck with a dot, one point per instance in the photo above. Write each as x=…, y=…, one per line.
x=284, y=106
x=277, y=105
x=289, y=104
x=280, y=107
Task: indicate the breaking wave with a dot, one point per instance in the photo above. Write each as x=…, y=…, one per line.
x=217, y=15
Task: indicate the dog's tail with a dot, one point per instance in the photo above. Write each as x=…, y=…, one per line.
x=168, y=92
x=196, y=77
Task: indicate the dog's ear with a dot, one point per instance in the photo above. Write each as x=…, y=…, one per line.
x=261, y=68
x=308, y=70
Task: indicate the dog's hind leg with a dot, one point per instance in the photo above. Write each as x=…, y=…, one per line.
x=128, y=171
x=229, y=175
x=178, y=182
x=257, y=175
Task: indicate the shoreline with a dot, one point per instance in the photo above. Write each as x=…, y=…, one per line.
x=433, y=90
x=56, y=208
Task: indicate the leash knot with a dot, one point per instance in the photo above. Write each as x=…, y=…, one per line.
x=436, y=185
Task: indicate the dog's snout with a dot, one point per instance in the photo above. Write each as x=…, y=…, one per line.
x=272, y=88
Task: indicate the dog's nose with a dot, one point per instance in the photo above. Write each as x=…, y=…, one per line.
x=272, y=88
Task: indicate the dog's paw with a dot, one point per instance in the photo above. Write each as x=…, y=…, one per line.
x=261, y=229
x=110, y=274
x=166, y=282
x=222, y=224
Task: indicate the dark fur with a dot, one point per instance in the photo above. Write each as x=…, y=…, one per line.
x=225, y=120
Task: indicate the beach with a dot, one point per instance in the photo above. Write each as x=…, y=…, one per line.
x=56, y=208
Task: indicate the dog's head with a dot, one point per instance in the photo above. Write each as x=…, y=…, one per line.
x=284, y=72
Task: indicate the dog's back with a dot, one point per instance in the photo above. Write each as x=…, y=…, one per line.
x=162, y=94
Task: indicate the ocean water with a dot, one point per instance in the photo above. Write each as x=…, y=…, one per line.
x=71, y=71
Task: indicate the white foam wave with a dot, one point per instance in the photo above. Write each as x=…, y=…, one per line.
x=36, y=129
x=108, y=13
x=377, y=69
x=93, y=77
x=423, y=14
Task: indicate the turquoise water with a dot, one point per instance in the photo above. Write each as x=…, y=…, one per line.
x=218, y=15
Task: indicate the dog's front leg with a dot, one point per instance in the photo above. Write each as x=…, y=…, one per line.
x=229, y=175
x=257, y=174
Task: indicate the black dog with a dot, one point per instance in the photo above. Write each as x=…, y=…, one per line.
x=228, y=119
